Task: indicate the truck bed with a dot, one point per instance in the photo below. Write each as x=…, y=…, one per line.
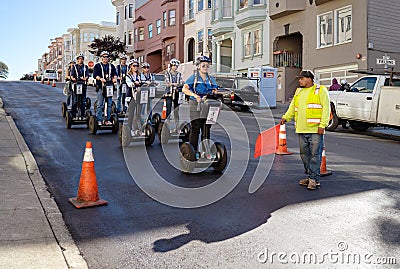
x=389, y=106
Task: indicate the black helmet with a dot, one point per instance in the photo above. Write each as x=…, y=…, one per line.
x=202, y=59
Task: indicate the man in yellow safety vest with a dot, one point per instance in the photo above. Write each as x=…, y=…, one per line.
x=310, y=109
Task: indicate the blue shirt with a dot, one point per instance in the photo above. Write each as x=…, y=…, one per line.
x=202, y=87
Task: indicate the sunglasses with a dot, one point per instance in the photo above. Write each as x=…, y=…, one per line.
x=145, y=67
x=105, y=56
x=135, y=65
x=205, y=66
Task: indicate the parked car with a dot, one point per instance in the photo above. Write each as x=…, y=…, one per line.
x=243, y=92
x=49, y=74
x=160, y=81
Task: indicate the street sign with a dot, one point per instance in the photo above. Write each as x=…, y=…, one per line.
x=385, y=61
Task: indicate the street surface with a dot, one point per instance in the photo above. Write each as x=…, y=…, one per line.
x=356, y=211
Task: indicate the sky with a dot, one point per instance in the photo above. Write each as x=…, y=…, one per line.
x=28, y=26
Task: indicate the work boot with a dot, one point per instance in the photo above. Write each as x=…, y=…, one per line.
x=312, y=184
x=304, y=182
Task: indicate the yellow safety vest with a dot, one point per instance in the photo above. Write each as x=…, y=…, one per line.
x=314, y=107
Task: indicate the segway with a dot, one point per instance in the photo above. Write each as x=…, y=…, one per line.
x=181, y=132
x=210, y=154
x=108, y=89
x=78, y=89
x=132, y=129
x=123, y=88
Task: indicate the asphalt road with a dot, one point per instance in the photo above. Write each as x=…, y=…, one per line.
x=357, y=207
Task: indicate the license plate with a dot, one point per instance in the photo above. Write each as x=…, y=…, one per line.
x=123, y=88
x=144, y=97
x=110, y=91
x=182, y=98
x=79, y=88
x=212, y=115
x=152, y=93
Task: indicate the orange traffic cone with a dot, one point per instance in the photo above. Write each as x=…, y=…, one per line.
x=88, y=194
x=48, y=82
x=282, y=148
x=323, y=171
x=164, y=110
x=54, y=83
x=34, y=77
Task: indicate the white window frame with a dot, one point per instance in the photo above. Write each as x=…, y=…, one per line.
x=200, y=41
x=337, y=26
x=246, y=33
x=150, y=30
x=319, y=46
x=260, y=4
x=130, y=11
x=141, y=33
x=260, y=41
x=158, y=26
x=240, y=8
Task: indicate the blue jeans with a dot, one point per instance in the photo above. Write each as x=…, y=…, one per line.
x=120, y=99
x=78, y=102
x=311, y=154
x=100, y=105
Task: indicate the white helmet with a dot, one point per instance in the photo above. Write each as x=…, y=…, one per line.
x=123, y=56
x=80, y=55
x=175, y=62
x=104, y=53
x=343, y=81
x=145, y=64
x=133, y=61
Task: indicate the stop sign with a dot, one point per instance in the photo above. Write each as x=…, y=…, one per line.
x=90, y=64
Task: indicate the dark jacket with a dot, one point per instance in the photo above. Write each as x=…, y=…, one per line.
x=108, y=72
x=335, y=85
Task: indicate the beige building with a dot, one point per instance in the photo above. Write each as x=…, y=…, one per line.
x=240, y=30
x=331, y=37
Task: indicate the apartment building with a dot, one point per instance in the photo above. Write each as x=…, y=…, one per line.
x=158, y=34
x=240, y=30
x=55, y=55
x=331, y=37
x=124, y=17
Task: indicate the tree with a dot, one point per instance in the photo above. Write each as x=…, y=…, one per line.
x=108, y=43
x=3, y=70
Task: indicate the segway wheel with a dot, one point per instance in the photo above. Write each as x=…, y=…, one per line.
x=63, y=109
x=222, y=158
x=87, y=115
x=185, y=131
x=187, y=158
x=88, y=103
x=124, y=135
x=68, y=119
x=113, y=107
x=163, y=132
x=150, y=134
x=156, y=120
x=114, y=120
x=92, y=124
x=95, y=107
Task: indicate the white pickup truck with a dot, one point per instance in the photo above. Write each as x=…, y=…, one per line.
x=373, y=100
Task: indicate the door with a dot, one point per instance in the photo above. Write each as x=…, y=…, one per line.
x=357, y=103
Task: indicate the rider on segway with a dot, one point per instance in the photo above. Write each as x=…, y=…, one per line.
x=147, y=79
x=133, y=81
x=174, y=82
x=105, y=74
x=122, y=70
x=79, y=76
x=198, y=86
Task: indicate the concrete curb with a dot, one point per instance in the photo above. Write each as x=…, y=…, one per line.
x=64, y=239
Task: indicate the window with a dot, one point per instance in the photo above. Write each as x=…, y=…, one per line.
x=141, y=33
x=150, y=28
x=209, y=39
x=91, y=39
x=191, y=9
x=172, y=50
x=158, y=26
x=125, y=12
x=130, y=38
x=167, y=52
x=258, y=2
x=226, y=9
x=165, y=19
x=216, y=9
x=243, y=3
x=136, y=38
x=200, y=41
x=364, y=85
x=172, y=20
x=85, y=37
x=257, y=42
x=325, y=33
x=209, y=3
x=247, y=44
x=200, y=6
x=125, y=38
x=130, y=11
x=117, y=18
x=343, y=25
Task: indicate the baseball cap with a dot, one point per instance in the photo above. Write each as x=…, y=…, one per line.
x=306, y=74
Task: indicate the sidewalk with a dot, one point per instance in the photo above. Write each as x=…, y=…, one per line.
x=32, y=231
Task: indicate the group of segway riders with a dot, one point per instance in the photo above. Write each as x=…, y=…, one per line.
x=135, y=92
